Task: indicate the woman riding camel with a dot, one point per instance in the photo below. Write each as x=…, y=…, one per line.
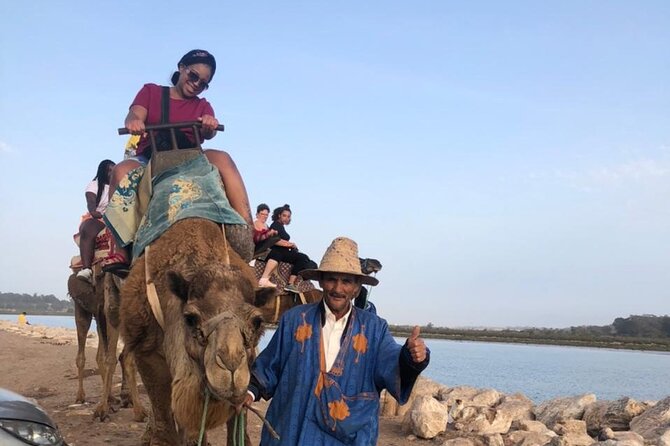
x=284, y=251
x=264, y=237
x=194, y=74
x=96, y=203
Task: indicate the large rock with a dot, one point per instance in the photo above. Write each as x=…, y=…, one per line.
x=563, y=409
x=572, y=433
x=653, y=422
x=459, y=442
x=517, y=407
x=424, y=386
x=615, y=415
x=534, y=426
x=524, y=438
x=664, y=440
x=427, y=417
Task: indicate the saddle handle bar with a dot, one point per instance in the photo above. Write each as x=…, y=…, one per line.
x=174, y=125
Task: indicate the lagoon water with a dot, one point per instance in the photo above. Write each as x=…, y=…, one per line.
x=539, y=372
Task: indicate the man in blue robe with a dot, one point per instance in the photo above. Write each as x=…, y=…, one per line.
x=328, y=362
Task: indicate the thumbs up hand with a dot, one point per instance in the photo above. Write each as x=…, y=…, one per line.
x=416, y=346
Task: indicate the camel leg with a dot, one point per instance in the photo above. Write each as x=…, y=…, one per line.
x=83, y=320
x=130, y=396
x=104, y=407
x=156, y=378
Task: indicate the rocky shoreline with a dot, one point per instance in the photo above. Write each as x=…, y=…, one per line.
x=466, y=416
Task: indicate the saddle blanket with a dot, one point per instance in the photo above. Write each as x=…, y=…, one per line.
x=192, y=189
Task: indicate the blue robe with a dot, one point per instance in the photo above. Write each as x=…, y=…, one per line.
x=313, y=407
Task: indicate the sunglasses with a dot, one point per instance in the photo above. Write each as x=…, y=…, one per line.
x=196, y=79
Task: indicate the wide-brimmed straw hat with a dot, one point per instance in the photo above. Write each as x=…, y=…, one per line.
x=340, y=257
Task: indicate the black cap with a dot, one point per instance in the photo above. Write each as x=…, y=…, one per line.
x=199, y=56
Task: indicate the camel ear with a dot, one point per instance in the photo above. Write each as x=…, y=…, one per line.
x=178, y=285
x=263, y=295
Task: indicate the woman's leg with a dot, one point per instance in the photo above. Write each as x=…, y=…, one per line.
x=232, y=182
x=270, y=266
x=87, y=233
x=119, y=172
x=300, y=262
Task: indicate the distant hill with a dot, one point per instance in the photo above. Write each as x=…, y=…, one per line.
x=34, y=304
x=643, y=332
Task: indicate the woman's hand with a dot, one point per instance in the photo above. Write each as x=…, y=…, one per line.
x=135, y=126
x=209, y=125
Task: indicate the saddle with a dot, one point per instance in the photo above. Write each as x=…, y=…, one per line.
x=101, y=251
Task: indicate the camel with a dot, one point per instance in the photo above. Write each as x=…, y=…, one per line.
x=99, y=300
x=207, y=333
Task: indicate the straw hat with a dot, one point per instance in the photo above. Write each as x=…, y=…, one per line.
x=340, y=257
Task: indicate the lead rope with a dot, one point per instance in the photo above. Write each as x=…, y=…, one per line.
x=238, y=430
x=204, y=418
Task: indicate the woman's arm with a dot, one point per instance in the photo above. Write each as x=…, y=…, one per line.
x=91, y=206
x=137, y=116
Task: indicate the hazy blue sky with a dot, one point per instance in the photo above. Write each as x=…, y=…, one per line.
x=507, y=161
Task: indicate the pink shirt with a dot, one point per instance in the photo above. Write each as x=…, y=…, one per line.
x=181, y=110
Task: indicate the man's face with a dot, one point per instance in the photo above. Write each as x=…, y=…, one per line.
x=338, y=291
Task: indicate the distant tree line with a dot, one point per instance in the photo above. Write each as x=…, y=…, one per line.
x=644, y=332
x=36, y=303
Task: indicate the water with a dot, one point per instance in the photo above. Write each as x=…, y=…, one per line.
x=539, y=372
x=48, y=321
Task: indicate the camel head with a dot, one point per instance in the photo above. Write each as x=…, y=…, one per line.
x=220, y=328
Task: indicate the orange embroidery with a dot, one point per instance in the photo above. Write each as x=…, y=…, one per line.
x=360, y=344
x=303, y=332
x=338, y=411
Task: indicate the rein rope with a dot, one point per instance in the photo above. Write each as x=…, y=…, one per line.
x=238, y=429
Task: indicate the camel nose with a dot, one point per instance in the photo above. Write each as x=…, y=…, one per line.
x=229, y=361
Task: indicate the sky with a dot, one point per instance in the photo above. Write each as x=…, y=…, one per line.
x=507, y=162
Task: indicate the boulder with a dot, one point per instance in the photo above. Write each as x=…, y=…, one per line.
x=487, y=397
x=653, y=422
x=616, y=415
x=426, y=418
x=664, y=439
x=494, y=440
x=524, y=438
x=534, y=426
x=459, y=442
x=422, y=387
x=516, y=407
x=621, y=439
x=563, y=409
x=572, y=433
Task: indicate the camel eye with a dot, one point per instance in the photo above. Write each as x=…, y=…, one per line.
x=191, y=320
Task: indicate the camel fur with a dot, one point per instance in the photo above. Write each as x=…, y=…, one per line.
x=211, y=329
x=99, y=300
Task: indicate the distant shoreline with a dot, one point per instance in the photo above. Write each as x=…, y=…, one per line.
x=621, y=343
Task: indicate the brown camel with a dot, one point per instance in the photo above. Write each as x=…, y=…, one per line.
x=100, y=301
x=207, y=333
x=273, y=306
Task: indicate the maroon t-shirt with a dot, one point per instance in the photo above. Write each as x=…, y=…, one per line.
x=181, y=110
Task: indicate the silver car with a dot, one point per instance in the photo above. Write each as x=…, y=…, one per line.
x=22, y=423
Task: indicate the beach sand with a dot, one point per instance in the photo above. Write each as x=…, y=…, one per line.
x=39, y=362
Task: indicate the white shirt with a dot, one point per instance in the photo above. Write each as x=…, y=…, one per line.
x=104, y=198
x=332, y=333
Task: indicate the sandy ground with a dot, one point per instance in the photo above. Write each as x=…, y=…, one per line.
x=39, y=363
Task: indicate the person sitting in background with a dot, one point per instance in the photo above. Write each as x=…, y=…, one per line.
x=97, y=198
x=23, y=320
x=284, y=251
x=264, y=237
